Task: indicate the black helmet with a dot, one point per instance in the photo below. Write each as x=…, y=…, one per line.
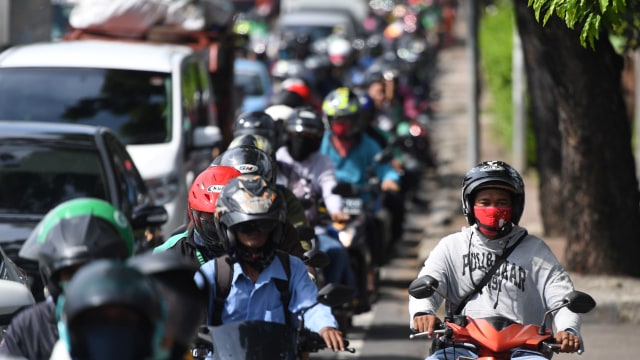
x=74, y=233
x=175, y=276
x=492, y=174
x=249, y=198
x=248, y=160
x=111, y=284
x=254, y=140
x=305, y=120
x=342, y=103
x=255, y=122
x=304, y=128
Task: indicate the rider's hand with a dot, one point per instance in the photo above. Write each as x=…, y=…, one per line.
x=425, y=323
x=389, y=185
x=569, y=343
x=339, y=216
x=333, y=338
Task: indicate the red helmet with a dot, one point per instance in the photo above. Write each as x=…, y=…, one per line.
x=299, y=87
x=203, y=196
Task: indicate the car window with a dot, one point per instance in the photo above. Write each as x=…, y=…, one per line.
x=132, y=191
x=133, y=104
x=37, y=177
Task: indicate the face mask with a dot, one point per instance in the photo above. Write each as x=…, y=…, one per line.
x=300, y=147
x=492, y=220
x=341, y=128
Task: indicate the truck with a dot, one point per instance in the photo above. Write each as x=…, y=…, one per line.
x=168, y=95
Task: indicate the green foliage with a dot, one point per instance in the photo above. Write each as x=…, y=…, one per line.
x=496, y=47
x=495, y=40
x=593, y=17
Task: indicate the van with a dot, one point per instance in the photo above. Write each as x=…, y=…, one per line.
x=156, y=97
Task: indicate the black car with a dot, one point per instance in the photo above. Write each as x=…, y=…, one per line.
x=44, y=164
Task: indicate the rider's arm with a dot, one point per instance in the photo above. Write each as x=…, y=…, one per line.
x=303, y=294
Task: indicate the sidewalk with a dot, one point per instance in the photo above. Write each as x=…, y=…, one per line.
x=618, y=298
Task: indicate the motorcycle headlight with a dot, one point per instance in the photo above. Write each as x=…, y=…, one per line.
x=163, y=189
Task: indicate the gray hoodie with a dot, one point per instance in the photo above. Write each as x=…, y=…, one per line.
x=531, y=281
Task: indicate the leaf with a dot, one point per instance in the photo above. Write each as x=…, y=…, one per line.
x=537, y=5
x=549, y=12
x=604, y=4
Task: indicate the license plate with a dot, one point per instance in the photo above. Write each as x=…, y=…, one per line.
x=352, y=206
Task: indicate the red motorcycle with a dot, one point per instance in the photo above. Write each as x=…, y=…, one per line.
x=496, y=338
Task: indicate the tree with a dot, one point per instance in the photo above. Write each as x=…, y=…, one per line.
x=576, y=89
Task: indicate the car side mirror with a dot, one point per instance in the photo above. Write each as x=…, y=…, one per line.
x=15, y=296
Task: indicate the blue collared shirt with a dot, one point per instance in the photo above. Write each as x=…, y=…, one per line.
x=261, y=301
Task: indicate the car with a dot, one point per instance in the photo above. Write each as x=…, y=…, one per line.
x=253, y=77
x=317, y=23
x=156, y=97
x=44, y=164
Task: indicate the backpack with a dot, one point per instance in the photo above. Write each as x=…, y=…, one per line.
x=224, y=275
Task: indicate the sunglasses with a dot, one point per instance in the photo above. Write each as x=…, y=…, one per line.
x=260, y=226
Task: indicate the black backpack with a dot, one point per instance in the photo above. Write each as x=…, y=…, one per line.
x=224, y=275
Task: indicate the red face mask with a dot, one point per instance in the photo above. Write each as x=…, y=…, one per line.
x=341, y=128
x=492, y=219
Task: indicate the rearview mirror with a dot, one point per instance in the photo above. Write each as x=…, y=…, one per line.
x=580, y=302
x=149, y=216
x=423, y=287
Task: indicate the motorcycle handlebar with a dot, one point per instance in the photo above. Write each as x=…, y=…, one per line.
x=313, y=342
x=445, y=332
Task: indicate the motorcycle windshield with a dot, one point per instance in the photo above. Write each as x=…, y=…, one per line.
x=254, y=340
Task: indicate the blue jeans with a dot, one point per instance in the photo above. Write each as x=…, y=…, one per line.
x=452, y=353
x=339, y=270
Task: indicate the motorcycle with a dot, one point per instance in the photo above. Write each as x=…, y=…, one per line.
x=365, y=237
x=496, y=338
x=258, y=339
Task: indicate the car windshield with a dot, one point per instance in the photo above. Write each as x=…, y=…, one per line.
x=249, y=82
x=33, y=180
x=131, y=103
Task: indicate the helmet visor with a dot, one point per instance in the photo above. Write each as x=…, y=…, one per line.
x=205, y=226
x=255, y=226
x=111, y=333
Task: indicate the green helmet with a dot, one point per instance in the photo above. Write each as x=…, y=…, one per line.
x=74, y=233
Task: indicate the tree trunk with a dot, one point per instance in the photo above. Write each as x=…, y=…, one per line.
x=599, y=184
x=543, y=107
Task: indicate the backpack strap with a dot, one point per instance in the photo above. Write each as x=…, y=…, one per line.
x=283, y=286
x=224, y=275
